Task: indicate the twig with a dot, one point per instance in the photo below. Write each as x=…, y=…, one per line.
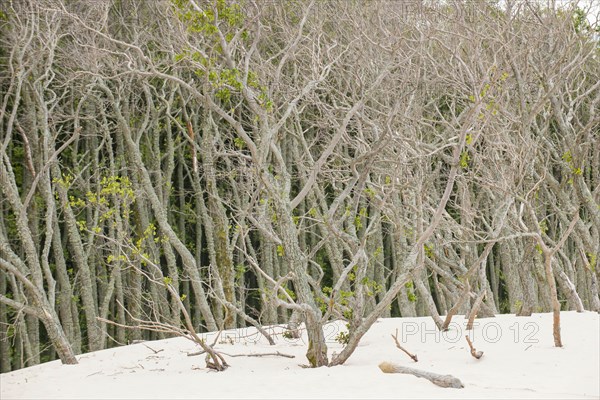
x=134, y=367
x=261, y=355
x=413, y=356
x=155, y=351
x=217, y=338
x=198, y=353
x=474, y=352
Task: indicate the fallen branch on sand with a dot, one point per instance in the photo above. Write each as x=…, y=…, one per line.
x=197, y=353
x=413, y=356
x=155, y=351
x=474, y=352
x=261, y=355
x=447, y=381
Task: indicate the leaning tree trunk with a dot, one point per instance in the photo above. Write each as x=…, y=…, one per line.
x=317, y=348
x=57, y=336
x=553, y=297
x=548, y=254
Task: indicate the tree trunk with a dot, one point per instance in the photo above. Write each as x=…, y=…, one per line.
x=553, y=297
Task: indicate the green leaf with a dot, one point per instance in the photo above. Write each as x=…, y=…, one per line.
x=469, y=139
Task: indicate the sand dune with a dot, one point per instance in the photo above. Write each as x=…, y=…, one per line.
x=519, y=361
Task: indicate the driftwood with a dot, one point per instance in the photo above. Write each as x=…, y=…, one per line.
x=474, y=352
x=447, y=381
x=413, y=356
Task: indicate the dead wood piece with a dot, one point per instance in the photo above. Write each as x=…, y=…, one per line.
x=413, y=356
x=212, y=365
x=261, y=355
x=277, y=353
x=447, y=381
x=217, y=366
x=474, y=352
x=155, y=351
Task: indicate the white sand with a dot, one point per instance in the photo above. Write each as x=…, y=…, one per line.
x=519, y=362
